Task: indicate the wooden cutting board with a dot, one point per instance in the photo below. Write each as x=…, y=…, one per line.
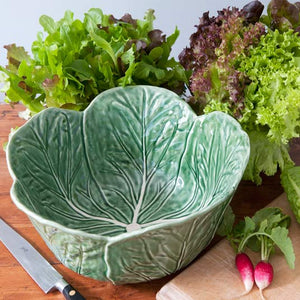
x=214, y=275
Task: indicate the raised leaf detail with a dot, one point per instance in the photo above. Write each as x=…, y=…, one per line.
x=135, y=158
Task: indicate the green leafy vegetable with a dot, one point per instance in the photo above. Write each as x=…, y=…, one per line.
x=261, y=233
x=265, y=156
x=272, y=97
x=272, y=112
x=76, y=60
x=290, y=180
x=212, y=56
x=252, y=74
x=283, y=15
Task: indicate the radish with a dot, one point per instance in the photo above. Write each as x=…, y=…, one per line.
x=263, y=275
x=267, y=229
x=246, y=270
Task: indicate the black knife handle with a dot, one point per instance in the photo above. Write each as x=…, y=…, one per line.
x=71, y=294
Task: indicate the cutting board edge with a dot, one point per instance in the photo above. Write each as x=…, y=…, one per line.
x=170, y=292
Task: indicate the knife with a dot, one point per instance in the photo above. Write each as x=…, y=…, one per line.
x=35, y=264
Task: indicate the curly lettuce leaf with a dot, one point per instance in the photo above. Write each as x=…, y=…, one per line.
x=252, y=74
x=214, y=49
x=271, y=112
x=265, y=157
x=272, y=97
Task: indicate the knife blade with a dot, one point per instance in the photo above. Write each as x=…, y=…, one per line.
x=35, y=264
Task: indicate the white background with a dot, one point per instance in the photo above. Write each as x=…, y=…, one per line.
x=19, y=20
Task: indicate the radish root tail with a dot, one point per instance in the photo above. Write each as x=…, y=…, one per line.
x=261, y=294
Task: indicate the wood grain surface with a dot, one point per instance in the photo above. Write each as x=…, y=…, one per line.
x=15, y=283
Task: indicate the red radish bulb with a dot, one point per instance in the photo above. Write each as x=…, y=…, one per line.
x=263, y=275
x=245, y=267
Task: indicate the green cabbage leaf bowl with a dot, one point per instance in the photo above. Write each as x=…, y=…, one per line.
x=131, y=189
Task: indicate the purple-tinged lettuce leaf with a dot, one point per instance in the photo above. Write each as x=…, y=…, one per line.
x=15, y=55
x=252, y=74
x=253, y=11
x=213, y=53
x=283, y=15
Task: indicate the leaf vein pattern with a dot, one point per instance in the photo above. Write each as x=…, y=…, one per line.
x=63, y=191
x=144, y=158
x=123, y=145
x=178, y=170
x=129, y=183
x=153, y=257
x=146, y=212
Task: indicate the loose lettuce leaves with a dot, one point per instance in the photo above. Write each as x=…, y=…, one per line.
x=73, y=60
x=272, y=97
x=283, y=15
x=272, y=112
x=214, y=49
x=272, y=93
x=252, y=75
x=265, y=157
x=290, y=180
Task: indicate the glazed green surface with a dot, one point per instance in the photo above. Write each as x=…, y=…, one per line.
x=131, y=189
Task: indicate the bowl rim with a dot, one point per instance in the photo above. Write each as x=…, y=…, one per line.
x=125, y=235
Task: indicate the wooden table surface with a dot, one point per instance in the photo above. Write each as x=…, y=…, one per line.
x=15, y=283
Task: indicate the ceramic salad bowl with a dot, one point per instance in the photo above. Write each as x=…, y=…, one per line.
x=131, y=189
